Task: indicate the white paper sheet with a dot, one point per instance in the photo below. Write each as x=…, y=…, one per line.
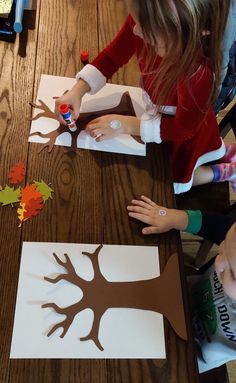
x=106, y=98
x=123, y=333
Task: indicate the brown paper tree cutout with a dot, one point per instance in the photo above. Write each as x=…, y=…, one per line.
x=162, y=294
x=125, y=107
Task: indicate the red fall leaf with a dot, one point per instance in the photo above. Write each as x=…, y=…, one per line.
x=17, y=173
x=33, y=208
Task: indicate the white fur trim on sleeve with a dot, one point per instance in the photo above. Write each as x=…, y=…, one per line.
x=93, y=77
x=150, y=128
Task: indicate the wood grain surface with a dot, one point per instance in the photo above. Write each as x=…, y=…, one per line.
x=92, y=189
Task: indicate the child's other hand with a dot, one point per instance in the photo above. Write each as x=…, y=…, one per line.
x=101, y=128
x=112, y=125
x=160, y=219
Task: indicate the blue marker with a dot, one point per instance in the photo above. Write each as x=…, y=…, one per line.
x=66, y=114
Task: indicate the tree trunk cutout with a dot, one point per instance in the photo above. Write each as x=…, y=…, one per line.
x=162, y=294
x=125, y=107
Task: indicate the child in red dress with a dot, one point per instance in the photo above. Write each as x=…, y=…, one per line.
x=177, y=44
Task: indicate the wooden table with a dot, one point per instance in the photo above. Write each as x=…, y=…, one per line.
x=91, y=191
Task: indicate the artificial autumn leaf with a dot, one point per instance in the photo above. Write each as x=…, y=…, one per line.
x=29, y=193
x=9, y=195
x=17, y=173
x=20, y=212
x=33, y=208
x=31, y=197
x=44, y=189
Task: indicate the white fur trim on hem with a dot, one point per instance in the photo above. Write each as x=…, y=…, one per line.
x=150, y=128
x=204, y=159
x=93, y=77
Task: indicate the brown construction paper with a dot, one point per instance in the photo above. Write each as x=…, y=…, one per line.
x=162, y=294
x=125, y=107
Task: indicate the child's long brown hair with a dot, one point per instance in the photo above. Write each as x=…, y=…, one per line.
x=183, y=25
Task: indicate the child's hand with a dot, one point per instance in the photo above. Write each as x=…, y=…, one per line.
x=159, y=218
x=112, y=125
x=72, y=98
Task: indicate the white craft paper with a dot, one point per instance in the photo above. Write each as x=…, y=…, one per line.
x=123, y=333
x=106, y=98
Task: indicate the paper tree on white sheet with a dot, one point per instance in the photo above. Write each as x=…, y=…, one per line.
x=162, y=294
x=125, y=107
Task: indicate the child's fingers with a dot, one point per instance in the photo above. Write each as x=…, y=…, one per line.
x=95, y=133
x=58, y=102
x=138, y=209
x=75, y=114
x=101, y=137
x=141, y=217
x=59, y=117
x=95, y=121
x=92, y=126
x=94, y=130
x=151, y=230
x=148, y=200
x=136, y=202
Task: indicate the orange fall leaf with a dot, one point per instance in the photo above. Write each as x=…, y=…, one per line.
x=29, y=193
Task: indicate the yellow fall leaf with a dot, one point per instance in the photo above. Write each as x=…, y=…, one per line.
x=20, y=211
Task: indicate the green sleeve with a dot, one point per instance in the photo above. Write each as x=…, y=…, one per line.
x=194, y=221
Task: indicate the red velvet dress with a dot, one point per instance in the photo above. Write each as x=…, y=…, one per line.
x=192, y=133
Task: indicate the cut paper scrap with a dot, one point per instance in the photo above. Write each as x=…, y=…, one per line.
x=100, y=295
x=31, y=198
x=112, y=99
x=17, y=173
x=127, y=328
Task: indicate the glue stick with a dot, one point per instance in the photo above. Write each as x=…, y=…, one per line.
x=66, y=114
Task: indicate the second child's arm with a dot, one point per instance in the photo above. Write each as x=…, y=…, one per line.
x=160, y=219
x=212, y=226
